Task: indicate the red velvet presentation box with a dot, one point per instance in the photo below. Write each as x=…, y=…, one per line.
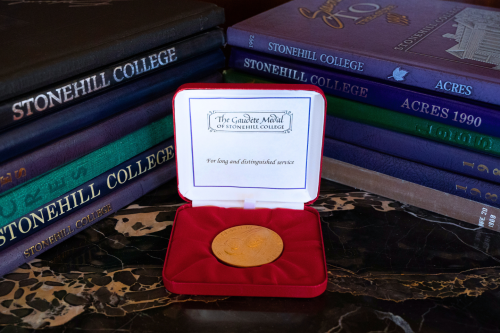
x=248, y=154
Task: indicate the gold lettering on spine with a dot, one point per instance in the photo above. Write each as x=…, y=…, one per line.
x=39, y=218
x=151, y=161
x=332, y=19
x=20, y=226
x=326, y=12
x=170, y=152
x=109, y=184
x=41, y=245
x=73, y=195
x=51, y=211
x=92, y=189
x=92, y=217
x=140, y=168
x=9, y=226
x=120, y=178
x=158, y=161
x=67, y=205
x=60, y=235
x=129, y=168
x=6, y=180
x=81, y=197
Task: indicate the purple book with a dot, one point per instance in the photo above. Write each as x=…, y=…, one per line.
x=61, y=230
x=474, y=116
x=36, y=162
x=413, y=148
x=442, y=46
x=440, y=180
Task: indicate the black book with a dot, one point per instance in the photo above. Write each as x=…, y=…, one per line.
x=45, y=42
x=42, y=102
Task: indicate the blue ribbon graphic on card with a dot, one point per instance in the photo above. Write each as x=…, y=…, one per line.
x=250, y=121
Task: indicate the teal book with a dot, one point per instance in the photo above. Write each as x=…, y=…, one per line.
x=104, y=185
x=44, y=188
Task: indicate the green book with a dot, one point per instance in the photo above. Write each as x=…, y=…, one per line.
x=48, y=186
x=391, y=120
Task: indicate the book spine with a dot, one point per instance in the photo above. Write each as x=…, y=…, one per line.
x=412, y=125
x=44, y=102
x=468, y=116
x=452, y=206
x=415, y=149
x=32, y=135
x=385, y=69
x=32, y=164
x=52, y=235
x=122, y=48
x=395, y=121
x=24, y=198
x=100, y=186
x=444, y=181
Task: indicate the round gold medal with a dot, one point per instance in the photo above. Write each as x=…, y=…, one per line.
x=247, y=246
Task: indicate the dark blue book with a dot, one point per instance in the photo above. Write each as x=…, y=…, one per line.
x=474, y=116
x=428, y=152
x=35, y=134
x=94, y=189
x=444, y=181
x=78, y=220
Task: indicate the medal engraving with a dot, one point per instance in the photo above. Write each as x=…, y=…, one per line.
x=247, y=246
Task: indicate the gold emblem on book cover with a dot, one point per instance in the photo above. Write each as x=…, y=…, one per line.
x=247, y=246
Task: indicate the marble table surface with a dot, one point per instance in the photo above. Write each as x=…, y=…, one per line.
x=392, y=268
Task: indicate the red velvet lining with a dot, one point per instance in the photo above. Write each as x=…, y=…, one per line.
x=190, y=259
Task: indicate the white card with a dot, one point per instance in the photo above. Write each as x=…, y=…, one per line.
x=256, y=143
x=249, y=144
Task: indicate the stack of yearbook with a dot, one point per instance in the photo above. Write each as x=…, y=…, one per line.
x=413, y=94
x=85, y=109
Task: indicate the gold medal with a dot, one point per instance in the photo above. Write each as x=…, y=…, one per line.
x=247, y=246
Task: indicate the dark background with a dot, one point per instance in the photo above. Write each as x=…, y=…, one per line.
x=239, y=10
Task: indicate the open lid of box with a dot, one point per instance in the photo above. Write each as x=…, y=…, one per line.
x=249, y=145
